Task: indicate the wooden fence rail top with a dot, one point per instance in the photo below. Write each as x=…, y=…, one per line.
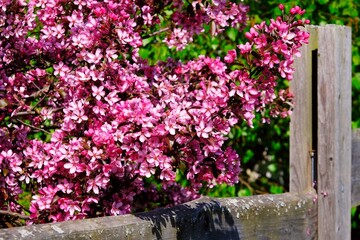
x=283, y=216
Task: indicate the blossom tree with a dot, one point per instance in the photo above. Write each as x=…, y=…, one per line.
x=90, y=128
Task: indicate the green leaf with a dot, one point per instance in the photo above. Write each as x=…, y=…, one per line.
x=276, y=189
x=272, y=167
x=356, y=59
x=231, y=190
x=214, y=43
x=350, y=11
x=50, y=70
x=232, y=34
x=333, y=8
x=25, y=199
x=356, y=81
x=249, y=154
x=244, y=192
x=323, y=2
x=146, y=41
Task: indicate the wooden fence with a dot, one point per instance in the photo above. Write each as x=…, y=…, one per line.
x=324, y=184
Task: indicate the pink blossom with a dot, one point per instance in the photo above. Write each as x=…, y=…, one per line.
x=245, y=48
x=70, y=206
x=66, y=187
x=203, y=130
x=167, y=175
x=260, y=42
x=230, y=57
x=111, y=54
x=61, y=69
x=98, y=92
x=146, y=170
x=171, y=126
x=94, y=58
x=96, y=184
x=250, y=35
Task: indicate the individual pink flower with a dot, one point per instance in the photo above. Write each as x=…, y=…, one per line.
x=66, y=187
x=146, y=170
x=61, y=69
x=98, y=92
x=203, y=130
x=230, y=57
x=94, y=57
x=167, y=175
x=96, y=184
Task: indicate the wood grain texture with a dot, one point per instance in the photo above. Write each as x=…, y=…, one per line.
x=355, y=168
x=301, y=118
x=284, y=216
x=334, y=132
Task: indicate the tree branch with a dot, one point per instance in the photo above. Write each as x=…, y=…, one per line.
x=25, y=113
x=13, y=214
x=156, y=33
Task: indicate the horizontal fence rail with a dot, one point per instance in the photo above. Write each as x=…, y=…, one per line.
x=282, y=216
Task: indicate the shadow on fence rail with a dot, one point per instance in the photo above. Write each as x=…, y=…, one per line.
x=283, y=216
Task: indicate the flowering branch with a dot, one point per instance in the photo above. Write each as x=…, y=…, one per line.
x=127, y=127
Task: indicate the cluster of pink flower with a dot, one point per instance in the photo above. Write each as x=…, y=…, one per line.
x=71, y=70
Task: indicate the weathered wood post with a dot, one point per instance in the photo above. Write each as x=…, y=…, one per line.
x=324, y=128
x=334, y=132
x=302, y=134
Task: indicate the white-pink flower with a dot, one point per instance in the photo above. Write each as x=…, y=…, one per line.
x=98, y=92
x=94, y=57
x=203, y=130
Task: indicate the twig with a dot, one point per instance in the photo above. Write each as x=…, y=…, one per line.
x=247, y=185
x=157, y=32
x=25, y=113
x=13, y=214
x=32, y=126
x=38, y=102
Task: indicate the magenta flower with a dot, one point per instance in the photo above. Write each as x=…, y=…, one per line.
x=94, y=57
x=203, y=130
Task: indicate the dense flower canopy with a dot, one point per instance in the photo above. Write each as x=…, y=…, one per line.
x=85, y=122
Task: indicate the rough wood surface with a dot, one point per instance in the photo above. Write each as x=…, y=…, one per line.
x=301, y=119
x=355, y=168
x=283, y=216
x=334, y=132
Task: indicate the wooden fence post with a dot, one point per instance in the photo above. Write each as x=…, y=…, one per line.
x=301, y=124
x=321, y=124
x=334, y=132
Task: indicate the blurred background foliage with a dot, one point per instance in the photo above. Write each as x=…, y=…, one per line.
x=264, y=149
